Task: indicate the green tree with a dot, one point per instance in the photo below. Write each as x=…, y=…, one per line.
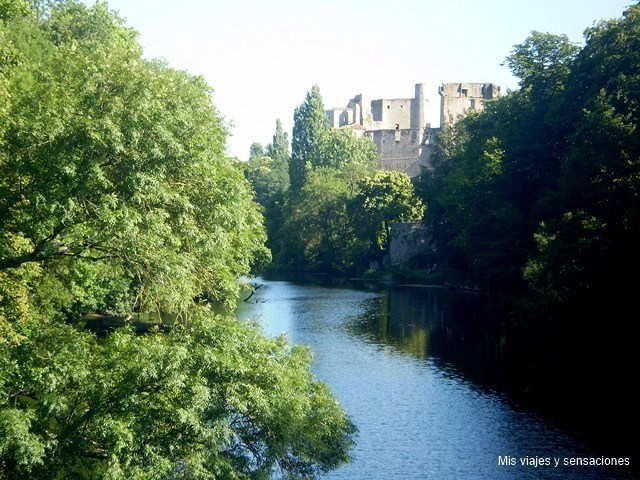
x=338, y=148
x=14, y=8
x=256, y=150
x=109, y=158
x=203, y=401
x=278, y=151
x=385, y=198
x=595, y=223
x=481, y=222
x=536, y=197
x=269, y=176
x=493, y=170
x=319, y=229
x=115, y=197
x=260, y=172
x=313, y=229
x=278, y=160
x=542, y=62
x=310, y=124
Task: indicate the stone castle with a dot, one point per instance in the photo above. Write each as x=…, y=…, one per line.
x=398, y=127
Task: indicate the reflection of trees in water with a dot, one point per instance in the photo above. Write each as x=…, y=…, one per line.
x=443, y=325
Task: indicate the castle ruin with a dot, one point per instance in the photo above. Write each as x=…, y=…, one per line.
x=398, y=127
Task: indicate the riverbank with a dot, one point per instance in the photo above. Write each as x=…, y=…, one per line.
x=432, y=278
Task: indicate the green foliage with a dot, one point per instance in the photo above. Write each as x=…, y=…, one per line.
x=596, y=223
x=256, y=150
x=265, y=179
x=116, y=196
x=341, y=219
x=319, y=231
x=338, y=148
x=10, y=9
x=117, y=160
x=203, y=401
x=536, y=200
x=310, y=124
x=385, y=198
x=268, y=168
x=310, y=226
x=542, y=62
x=542, y=185
x=481, y=197
x=278, y=150
x=268, y=172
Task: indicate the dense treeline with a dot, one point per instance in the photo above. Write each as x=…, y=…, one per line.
x=116, y=197
x=539, y=191
x=327, y=207
x=537, y=200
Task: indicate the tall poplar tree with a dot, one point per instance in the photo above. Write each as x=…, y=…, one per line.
x=310, y=124
x=278, y=151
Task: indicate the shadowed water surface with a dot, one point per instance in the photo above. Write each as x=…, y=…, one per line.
x=414, y=374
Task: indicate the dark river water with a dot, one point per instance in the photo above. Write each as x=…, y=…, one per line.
x=416, y=378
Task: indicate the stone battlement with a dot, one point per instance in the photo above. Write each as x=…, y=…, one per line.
x=397, y=125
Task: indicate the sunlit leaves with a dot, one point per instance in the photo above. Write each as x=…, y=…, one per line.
x=383, y=199
x=116, y=196
x=112, y=155
x=542, y=62
x=213, y=396
x=319, y=231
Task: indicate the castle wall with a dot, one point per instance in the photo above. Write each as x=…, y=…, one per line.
x=397, y=150
x=418, y=107
x=360, y=110
x=390, y=114
x=458, y=99
x=407, y=240
x=340, y=117
x=397, y=126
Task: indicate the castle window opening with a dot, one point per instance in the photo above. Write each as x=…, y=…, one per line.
x=464, y=92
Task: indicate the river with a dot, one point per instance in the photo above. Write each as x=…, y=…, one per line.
x=417, y=378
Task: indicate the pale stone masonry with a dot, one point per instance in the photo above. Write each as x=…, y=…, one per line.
x=457, y=99
x=398, y=126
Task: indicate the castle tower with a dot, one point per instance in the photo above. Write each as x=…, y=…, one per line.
x=418, y=108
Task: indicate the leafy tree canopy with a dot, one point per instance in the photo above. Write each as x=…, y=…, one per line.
x=542, y=181
x=310, y=124
x=542, y=61
x=385, y=198
x=112, y=160
x=115, y=197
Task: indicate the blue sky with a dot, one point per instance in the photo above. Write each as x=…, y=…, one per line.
x=261, y=57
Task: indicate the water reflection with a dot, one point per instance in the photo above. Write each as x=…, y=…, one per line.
x=444, y=325
x=415, y=369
